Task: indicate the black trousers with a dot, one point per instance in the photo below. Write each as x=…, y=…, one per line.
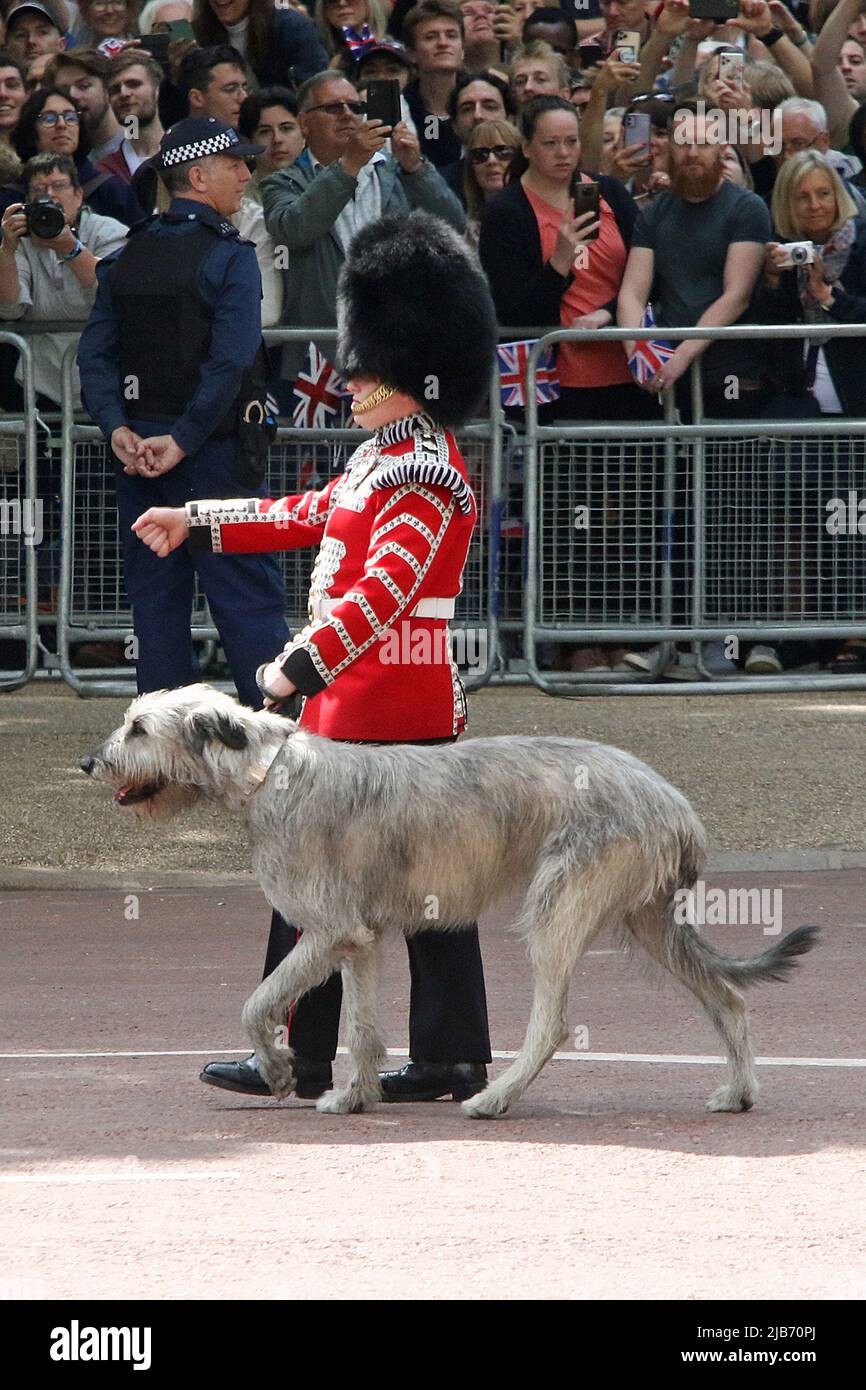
x=447, y=1003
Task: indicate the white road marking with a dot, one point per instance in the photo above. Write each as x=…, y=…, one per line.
x=662, y=1058
x=147, y=1176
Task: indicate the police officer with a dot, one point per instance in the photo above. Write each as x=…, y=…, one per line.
x=172, y=370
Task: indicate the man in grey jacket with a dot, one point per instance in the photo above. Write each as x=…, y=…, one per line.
x=343, y=180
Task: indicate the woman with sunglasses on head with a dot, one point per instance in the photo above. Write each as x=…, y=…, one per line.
x=50, y=123
x=492, y=147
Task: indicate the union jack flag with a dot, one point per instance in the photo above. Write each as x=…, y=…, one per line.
x=320, y=394
x=650, y=355
x=512, y=373
x=109, y=48
x=357, y=43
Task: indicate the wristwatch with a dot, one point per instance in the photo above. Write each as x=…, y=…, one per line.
x=79, y=247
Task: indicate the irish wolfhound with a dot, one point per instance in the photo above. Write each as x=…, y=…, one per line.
x=353, y=842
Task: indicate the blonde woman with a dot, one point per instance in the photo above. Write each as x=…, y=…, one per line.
x=333, y=16
x=811, y=203
x=492, y=147
x=823, y=376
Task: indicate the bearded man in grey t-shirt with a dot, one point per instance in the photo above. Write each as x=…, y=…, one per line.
x=696, y=253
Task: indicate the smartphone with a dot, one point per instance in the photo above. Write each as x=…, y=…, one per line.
x=383, y=101
x=637, y=128
x=719, y=10
x=585, y=197
x=180, y=29
x=627, y=43
x=731, y=67
x=590, y=54
x=157, y=46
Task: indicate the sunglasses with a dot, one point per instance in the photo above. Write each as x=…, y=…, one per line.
x=336, y=108
x=482, y=153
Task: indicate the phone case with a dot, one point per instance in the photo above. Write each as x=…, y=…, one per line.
x=586, y=199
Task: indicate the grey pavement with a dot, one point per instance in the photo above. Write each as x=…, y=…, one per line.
x=778, y=779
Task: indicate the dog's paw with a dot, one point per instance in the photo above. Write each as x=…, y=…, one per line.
x=486, y=1105
x=280, y=1078
x=730, y=1099
x=347, y=1101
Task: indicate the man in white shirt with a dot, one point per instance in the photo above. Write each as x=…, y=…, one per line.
x=133, y=91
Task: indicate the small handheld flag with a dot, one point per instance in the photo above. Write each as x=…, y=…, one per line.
x=512, y=373
x=650, y=355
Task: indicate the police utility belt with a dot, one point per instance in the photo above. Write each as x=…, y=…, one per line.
x=322, y=608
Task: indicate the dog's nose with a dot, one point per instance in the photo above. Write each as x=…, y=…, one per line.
x=87, y=765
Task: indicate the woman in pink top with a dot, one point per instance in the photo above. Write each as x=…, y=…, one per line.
x=543, y=269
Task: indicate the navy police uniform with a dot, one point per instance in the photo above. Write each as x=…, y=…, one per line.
x=170, y=344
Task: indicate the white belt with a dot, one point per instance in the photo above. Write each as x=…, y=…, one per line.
x=320, y=608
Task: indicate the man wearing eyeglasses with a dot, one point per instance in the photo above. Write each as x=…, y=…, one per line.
x=215, y=82
x=54, y=277
x=342, y=181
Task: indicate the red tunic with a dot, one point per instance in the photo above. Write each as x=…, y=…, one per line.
x=393, y=532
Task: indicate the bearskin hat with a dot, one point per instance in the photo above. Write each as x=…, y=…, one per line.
x=414, y=310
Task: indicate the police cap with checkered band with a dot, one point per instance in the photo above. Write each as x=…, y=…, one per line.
x=197, y=137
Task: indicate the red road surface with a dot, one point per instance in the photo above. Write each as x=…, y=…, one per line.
x=122, y=1176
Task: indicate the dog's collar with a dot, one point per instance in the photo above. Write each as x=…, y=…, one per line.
x=256, y=776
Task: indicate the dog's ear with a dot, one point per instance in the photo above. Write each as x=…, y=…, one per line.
x=203, y=725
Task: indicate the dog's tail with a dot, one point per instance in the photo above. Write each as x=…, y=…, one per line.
x=690, y=956
x=694, y=959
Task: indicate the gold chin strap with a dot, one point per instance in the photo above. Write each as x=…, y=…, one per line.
x=378, y=397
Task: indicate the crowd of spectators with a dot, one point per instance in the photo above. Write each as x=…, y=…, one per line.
x=710, y=147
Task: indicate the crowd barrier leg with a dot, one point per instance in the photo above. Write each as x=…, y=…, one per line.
x=21, y=514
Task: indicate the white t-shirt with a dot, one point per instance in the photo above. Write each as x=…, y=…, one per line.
x=132, y=157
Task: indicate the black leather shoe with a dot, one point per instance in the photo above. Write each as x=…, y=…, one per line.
x=433, y=1080
x=312, y=1078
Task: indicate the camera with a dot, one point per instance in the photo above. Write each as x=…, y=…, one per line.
x=797, y=253
x=45, y=218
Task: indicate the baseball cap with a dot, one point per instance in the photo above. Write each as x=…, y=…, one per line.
x=196, y=137
x=389, y=46
x=40, y=9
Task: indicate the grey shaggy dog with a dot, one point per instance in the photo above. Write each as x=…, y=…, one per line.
x=351, y=843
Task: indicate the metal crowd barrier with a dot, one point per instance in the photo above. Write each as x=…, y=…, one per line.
x=92, y=605
x=21, y=520
x=690, y=533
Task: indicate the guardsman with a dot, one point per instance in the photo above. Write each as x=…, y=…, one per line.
x=172, y=371
x=416, y=343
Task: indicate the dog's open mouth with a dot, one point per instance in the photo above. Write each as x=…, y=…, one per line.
x=132, y=793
